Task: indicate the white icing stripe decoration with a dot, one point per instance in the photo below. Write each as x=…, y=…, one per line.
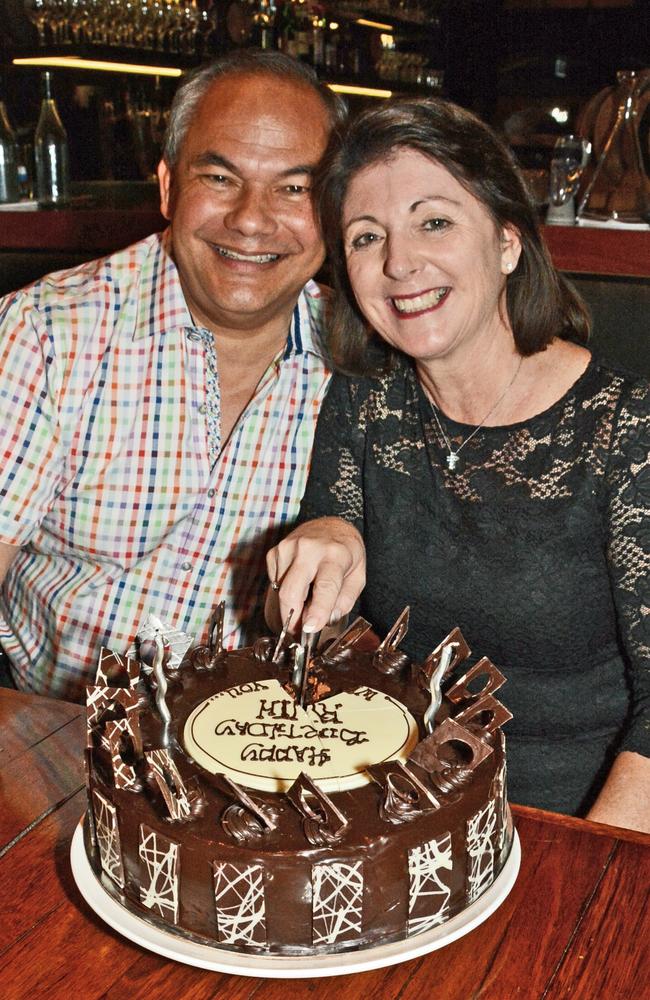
x=159, y=889
x=428, y=894
x=239, y=902
x=481, y=830
x=108, y=838
x=336, y=902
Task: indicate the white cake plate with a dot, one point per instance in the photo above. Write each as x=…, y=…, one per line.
x=205, y=956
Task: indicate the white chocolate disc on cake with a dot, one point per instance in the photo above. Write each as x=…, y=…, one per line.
x=260, y=737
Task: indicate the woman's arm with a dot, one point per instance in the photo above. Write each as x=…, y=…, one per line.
x=624, y=799
x=320, y=565
x=326, y=558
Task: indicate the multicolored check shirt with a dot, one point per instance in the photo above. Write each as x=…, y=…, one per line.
x=113, y=481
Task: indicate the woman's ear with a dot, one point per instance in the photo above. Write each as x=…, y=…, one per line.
x=510, y=249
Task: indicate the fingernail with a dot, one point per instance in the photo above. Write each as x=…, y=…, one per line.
x=335, y=617
x=309, y=625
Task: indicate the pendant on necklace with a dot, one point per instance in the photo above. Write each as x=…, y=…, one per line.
x=452, y=460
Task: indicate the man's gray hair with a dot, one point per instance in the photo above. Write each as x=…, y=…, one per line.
x=244, y=62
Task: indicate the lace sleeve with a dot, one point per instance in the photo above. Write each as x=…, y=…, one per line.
x=334, y=488
x=628, y=479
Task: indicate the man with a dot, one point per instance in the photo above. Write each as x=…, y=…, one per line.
x=159, y=405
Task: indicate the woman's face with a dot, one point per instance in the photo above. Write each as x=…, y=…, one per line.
x=426, y=262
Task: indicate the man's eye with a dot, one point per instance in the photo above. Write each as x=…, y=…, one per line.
x=297, y=189
x=218, y=179
x=363, y=240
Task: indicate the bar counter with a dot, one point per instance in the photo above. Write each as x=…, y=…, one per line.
x=576, y=923
x=97, y=230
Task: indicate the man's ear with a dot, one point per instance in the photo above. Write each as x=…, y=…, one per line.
x=165, y=187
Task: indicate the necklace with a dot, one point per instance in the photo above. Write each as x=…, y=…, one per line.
x=453, y=457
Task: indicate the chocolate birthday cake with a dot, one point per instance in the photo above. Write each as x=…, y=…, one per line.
x=260, y=801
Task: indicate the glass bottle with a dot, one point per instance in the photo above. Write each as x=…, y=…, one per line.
x=50, y=152
x=619, y=188
x=9, y=188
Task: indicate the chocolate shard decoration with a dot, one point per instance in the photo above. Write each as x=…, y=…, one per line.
x=115, y=739
x=494, y=679
x=215, y=629
x=159, y=887
x=176, y=641
x=397, y=632
x=114, y=670
x=323, y=823
x=428, y=753
x=169, y=782
x=432, y=662
x=473, y=715
x=348, y=638
x=108, y=838
x=239, y=903
x=103, y=704
x=265, y=815
x=404, y=796
x=337, y=901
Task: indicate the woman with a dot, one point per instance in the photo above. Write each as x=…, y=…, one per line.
x=497, y=474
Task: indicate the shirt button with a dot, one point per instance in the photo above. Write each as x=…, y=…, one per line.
x=186, y=566
x=194, y=336
x=211, y=493
x=203, y=408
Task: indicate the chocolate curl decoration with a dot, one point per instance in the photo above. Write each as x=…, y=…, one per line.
x=404, y=797
x=246, y=818
x=435, y=686
x=460, y=691
x=323, y=823
x=277, y=653
x=161, y=688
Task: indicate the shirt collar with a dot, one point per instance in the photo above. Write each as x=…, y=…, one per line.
x=164, y=309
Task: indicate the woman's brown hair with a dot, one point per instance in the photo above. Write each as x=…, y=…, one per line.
x=541, y=304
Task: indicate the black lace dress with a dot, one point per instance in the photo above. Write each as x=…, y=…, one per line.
x=537, y=546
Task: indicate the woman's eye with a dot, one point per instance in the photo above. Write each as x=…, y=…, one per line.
x=363, y=240
x=435, y=225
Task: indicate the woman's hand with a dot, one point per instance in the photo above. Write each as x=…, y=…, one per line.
x=326, y=555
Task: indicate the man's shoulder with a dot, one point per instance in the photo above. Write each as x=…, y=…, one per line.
x=75, y=285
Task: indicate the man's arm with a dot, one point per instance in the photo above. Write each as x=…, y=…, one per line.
x=7, y=556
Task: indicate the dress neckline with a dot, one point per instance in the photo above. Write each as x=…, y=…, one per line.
x=459, y=427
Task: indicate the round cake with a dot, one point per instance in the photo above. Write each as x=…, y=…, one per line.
x=254, y=801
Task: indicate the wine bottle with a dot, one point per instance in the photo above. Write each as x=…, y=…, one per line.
x=9, y=189
x=50, y=152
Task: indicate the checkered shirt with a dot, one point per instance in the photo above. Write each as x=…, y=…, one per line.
x=113, y=481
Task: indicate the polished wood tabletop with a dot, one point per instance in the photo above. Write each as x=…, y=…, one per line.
x=576, y=924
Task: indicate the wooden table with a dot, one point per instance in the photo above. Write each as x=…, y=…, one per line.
x=576, y=924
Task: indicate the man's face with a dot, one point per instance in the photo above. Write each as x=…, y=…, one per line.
x=239, y=199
